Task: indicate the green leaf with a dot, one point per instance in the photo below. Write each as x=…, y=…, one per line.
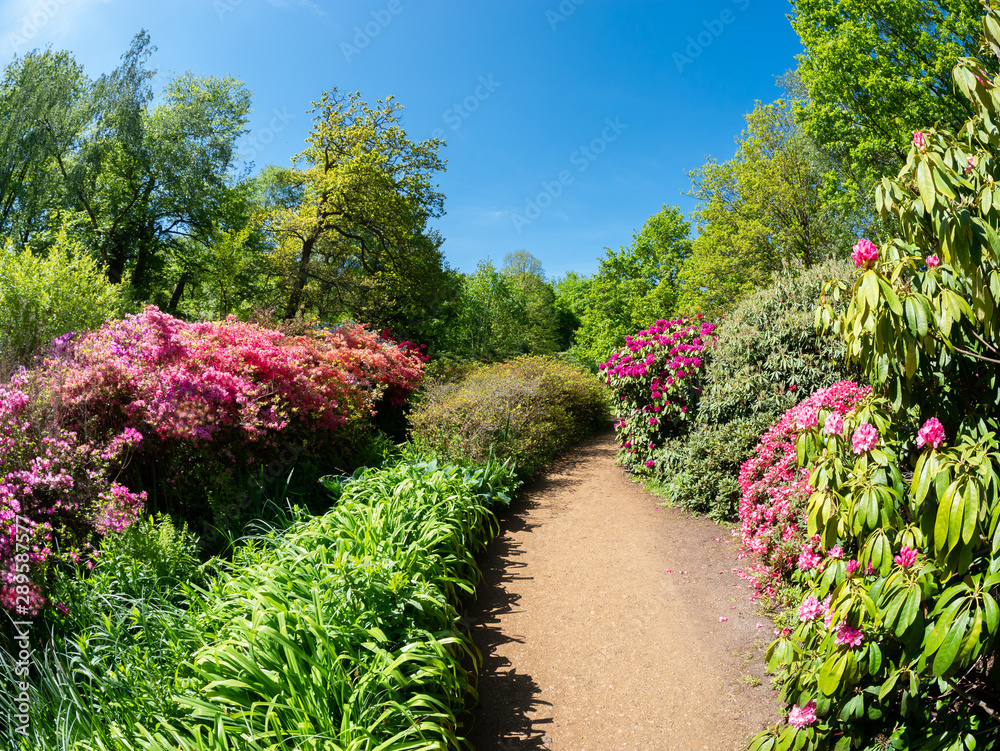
x=949, y=649
x=908, y=614
x=890, y=297
x=925, y=183
x=832, y=672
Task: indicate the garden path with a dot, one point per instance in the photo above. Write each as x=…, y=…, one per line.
x=600, y=623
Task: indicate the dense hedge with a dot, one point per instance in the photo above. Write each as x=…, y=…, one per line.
x=527, y=410
x=767, y=357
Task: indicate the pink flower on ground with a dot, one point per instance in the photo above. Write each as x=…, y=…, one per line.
x=865, y=253
x=918, y=140
x=907, y=556
x=801, y=717
x=932, y=261
x=810, y=609
x=865, y=438
x=931, y=434
x=847, y=634
x=722, y=619
x=834, y=424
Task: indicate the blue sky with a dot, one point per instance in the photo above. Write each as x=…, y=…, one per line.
x=567, y=122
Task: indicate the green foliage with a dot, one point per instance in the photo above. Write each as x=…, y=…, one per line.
x=352, y=236
x=341, y=631
x=763, y=212
x=633, y=286
x=526, y=410
x=491, y=317
x=46, y=294
x=527, y=279
x=767, y=358
x=876, y=71
x=922, y=507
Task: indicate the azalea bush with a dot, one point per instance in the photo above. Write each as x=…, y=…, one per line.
x=655, y=381
x=767, y=358
x=58, y=493
x=775, y=490
x=525, y=410
x=216, y=402
x=896, y=644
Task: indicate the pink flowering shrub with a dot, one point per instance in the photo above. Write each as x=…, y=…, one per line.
x=775, y=490
x=57, y=494
x=655, y=381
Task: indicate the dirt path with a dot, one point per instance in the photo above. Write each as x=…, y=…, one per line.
x=593, y=639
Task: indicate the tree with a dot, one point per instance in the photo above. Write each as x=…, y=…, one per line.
x=492, y=318
x=357, y=241
x=875, y=71
x=634, y=286
x=571, y=301
x=527, y=280
x=768, y=207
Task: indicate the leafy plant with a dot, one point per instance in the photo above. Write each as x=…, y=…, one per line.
x=525, y=410
x=655, y=381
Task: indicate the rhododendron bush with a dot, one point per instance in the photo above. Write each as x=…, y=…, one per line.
x=775, y=489
x=655, y=381
x=897, y=637
x=151, y=404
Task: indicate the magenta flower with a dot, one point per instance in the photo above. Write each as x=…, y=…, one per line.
x=971, y=165
x=650, y=464
x=919, y=141
x=836, y=552
x=931, y=434
x=810, y=609
x=801, y=717
x=907, y=556
x=847, y=634
x=809, y=559
x=865, y=253
x=834, y=424
x=852, y=566
x=865, y=438
x=932, y=261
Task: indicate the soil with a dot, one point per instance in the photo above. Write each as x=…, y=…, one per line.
x=599, y=620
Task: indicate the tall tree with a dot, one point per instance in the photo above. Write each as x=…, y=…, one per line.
x=877, y=70
x=768, y=207
x=527, y=280
x=358, y=241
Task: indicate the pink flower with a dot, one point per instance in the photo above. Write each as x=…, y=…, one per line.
x=932, y=261
x=650, y=464
x=809, y=559
x=836, y=552
x=807, y=418
x=865, y=253
x=852, y=566
x=931, y=434
x=834, y=424
x=810, y=609
x=847, y=634
x=722, y=619
x=971, y=165
x=918, y=140
x=907, y=556
x=801, y=717
x=865, y=438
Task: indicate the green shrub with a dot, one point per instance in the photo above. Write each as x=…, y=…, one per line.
x=527, y=410
x=45, y=296
x=767, y=358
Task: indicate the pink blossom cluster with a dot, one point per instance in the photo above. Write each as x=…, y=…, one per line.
x=654, y=378
x=931, y=434
x=865, y=253
x=802, y=717
x=55, y=493
x=774, y=491
x=196, y=381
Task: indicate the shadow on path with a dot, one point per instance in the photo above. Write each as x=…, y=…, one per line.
x=512, y=695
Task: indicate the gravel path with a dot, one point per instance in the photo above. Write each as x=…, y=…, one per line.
x=592, y=636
